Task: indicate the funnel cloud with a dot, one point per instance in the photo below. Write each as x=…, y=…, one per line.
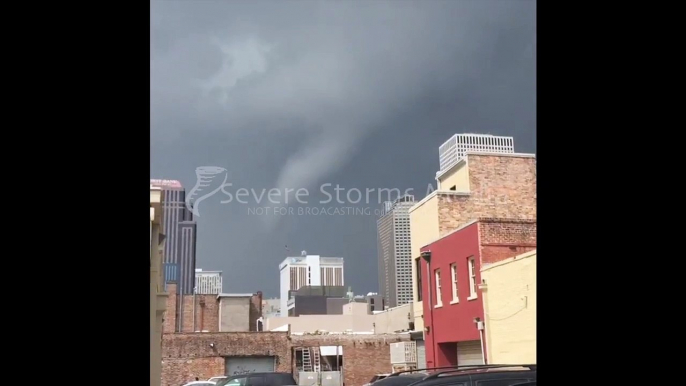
x=293, y=94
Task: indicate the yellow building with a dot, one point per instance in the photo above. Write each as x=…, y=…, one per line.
x=509, y=293
x=158, y=298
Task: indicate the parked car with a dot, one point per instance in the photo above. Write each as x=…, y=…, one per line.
x=400, y=379
x=258, y=379
x=200, y=383
x=217, y=378
x=375, y=378
x=478, y=375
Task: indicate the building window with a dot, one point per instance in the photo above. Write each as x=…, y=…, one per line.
x=419, y=279
x=453, y=276
x=472, y=279
x=439, y=299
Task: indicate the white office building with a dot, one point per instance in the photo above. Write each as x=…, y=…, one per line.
x=208, y=282
x=303, y=270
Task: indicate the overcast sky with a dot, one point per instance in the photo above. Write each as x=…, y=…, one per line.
x=295, y=94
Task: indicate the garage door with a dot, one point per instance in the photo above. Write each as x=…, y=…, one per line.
x=469, y=353
x=421, y=354
x=244, y=365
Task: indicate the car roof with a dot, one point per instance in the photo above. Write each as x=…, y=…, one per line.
x=402, y=380
x=484, y=371
x=199, y=383
x=263, y=373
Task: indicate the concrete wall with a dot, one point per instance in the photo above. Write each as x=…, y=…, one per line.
x=457, y=176
x=235, y=314
x=390, y=321
x=328, y=323
x=510, y=305
x=394, y=319
x=356, y=308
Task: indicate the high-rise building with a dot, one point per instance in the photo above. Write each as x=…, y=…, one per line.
x=180, y=230
x=208, y=282
x=313, y=270
x=180, y=242
x=395, y=260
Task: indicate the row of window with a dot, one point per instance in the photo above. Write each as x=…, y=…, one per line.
x=471, y=267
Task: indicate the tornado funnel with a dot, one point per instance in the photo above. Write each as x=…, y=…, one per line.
x=209, y=180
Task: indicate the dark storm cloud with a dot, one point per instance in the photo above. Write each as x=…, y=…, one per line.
x=335, y=70
x=309, y=83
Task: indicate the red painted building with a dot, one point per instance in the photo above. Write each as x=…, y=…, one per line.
x=453, y=310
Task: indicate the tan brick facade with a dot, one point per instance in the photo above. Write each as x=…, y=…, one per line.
x=186, y=356
x=500, y=187
x=206, y=313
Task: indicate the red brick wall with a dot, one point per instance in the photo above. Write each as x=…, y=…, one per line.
x=186, y=356
x=170, y=315
x=177, y=372
x=500, y=187
x=206, y=313
x=504, y=238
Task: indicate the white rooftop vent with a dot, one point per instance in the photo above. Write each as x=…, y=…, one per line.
x=303, y=253
x=454, y=149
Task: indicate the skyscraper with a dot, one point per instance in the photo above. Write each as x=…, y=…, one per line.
x=180, y=242
x=395, y=262
x=308, y=270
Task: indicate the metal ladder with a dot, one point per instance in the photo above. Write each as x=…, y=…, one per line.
x=317, y=363
x=307, y=362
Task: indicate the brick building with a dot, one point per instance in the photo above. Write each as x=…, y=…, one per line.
x=204, y=355
x=186, y=355
x=204, y=312
x=451, y=290
x=478, y=185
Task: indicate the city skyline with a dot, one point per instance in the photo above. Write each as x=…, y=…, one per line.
x=282, y=100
